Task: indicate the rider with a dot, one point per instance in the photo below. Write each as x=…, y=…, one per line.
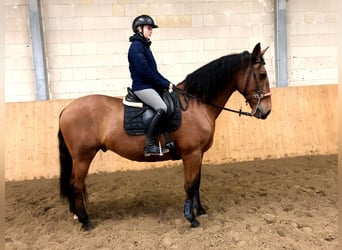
x=147, y=82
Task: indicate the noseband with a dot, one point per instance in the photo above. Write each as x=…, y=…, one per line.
x=259, y=94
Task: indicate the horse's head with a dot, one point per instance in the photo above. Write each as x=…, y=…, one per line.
x=255, y=87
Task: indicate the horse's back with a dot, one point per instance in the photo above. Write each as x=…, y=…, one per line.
x=91, y=115
x=92, y=102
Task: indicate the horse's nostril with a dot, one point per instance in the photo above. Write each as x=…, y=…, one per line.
x=261, y=115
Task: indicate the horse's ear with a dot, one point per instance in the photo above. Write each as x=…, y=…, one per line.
x=264, y=50
x=256, y=51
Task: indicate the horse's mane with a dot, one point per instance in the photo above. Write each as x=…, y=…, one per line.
x=211, y=78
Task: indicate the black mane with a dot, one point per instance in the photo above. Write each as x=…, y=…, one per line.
x=212, y=78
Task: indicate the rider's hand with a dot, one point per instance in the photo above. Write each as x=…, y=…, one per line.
x=170, y=87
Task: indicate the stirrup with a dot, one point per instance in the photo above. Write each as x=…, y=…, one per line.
x=155, y=150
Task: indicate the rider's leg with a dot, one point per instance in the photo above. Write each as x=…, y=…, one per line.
x=153, y=99
x=151, y=148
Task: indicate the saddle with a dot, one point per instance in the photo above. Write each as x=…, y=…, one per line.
x=138, y=115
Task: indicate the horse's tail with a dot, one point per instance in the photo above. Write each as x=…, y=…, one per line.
x=65, y=162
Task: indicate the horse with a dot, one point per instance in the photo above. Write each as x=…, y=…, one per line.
x=95, y=122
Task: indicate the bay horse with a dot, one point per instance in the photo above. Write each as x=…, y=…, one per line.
x=95, y=122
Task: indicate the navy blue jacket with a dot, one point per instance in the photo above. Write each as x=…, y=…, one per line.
x=143, y=67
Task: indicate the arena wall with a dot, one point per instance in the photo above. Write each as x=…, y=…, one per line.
x=86, y=41
x=303, y=121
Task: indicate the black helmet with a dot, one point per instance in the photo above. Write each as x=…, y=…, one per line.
x=143, y=20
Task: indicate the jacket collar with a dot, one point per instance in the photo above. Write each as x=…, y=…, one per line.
x=140, y=38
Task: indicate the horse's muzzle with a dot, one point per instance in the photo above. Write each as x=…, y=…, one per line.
x=260, y=114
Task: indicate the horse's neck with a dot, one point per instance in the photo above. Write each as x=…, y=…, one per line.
x=221, y=101
x=240, y=78
x=213, y=111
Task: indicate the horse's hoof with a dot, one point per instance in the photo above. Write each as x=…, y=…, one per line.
x=87, y=226
x=194, y=223
x=201, y=212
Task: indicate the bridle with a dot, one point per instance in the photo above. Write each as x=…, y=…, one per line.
x=259, y=95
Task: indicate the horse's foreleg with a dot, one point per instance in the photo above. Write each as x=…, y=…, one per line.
x=192, y=178
x=197, y=200
x=80, y=171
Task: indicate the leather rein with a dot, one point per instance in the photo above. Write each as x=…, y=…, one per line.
x=259, y=95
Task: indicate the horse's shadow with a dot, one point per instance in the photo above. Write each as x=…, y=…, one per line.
x=140, y=205
x=150, y=193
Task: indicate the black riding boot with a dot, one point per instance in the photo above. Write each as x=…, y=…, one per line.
x=151, y=148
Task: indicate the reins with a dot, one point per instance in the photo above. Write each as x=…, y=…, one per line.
x=240, y=112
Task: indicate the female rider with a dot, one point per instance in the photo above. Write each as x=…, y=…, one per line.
x=147, y=82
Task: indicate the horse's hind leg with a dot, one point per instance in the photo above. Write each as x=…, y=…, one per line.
x=79, y=174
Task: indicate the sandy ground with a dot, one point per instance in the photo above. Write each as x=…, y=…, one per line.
x=273, y=204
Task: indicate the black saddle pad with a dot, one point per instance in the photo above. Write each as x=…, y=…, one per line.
x=135, y=118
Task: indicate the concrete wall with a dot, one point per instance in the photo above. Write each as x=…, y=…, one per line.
x=87, y=41
x=312, y=42
x=303, y=122
x=19, y=70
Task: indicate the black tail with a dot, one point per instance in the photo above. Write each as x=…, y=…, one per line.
x=65, y=161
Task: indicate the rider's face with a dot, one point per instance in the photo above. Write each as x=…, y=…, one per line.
x=147, y=31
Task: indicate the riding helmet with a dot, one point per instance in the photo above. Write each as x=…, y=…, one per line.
x=142, y=20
